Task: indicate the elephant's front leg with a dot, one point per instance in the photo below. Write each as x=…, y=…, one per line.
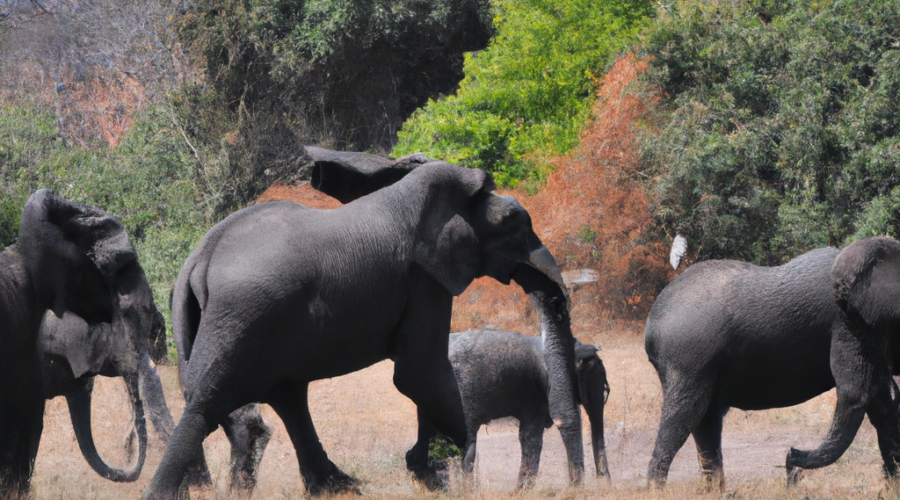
x=883, y=415
x=289, y=400
x=20, y=435
x=422, y=371
x=417, y=460
x=248, y=435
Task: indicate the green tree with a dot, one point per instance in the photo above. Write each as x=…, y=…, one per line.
x=779, y=132
x=531, y=91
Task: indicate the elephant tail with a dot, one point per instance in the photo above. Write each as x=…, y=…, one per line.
x=186, y=312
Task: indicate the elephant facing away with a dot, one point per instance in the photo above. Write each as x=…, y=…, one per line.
x=278, y=294
x=74, y=352
x=503, y=374
x=68, y=258
x=730, y=334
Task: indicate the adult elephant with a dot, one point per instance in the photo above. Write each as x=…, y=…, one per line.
x=74, y=352
x=278, y=294
x=503, y=374
x=730, y=334
x=68, y=257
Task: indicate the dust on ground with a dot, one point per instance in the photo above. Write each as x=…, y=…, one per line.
x=366, y=426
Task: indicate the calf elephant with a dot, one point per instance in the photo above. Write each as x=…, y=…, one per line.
x=278, y=294
x=68, y=258
x=729, y=334
x=503, y=374
x=74, y=352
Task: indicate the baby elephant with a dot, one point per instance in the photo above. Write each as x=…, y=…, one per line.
x=503, y=374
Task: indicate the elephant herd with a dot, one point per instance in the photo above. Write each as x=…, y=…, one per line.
x=278, y=295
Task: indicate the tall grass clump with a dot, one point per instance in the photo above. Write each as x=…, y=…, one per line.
x=530, y=93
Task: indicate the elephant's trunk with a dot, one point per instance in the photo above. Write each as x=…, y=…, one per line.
x=541, y=279
x=859, y=380
x=594, y=390
x=80, y=410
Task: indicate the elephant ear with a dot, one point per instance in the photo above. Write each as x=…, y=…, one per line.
x=448, y=245
x=76, y=253
x=866, y=281
x=347, y=176
x=85, y=347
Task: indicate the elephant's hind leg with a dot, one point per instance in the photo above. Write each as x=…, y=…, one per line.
x=685, y=401
x=531, y=439
x=708, y=437
x=183, y=449
x=289, y=400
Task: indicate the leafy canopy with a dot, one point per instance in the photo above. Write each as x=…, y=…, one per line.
x=781, y=130
x=530, y=91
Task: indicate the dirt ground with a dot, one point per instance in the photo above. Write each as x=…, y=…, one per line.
x=366, y=426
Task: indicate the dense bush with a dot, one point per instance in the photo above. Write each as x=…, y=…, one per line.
x=781, y=130
x=344, y=71
x=531, y=90
x=149, y=182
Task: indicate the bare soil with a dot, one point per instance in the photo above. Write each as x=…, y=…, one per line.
x=366, y=426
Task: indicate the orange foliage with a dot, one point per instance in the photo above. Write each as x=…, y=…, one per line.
x=592, y=213
x=303, y=194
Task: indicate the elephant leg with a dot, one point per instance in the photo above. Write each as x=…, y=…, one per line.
x=20, y=435
x=685, y=402
x=708, y=437
x=321, y=476
x=183, y=449
x=883, y=415
x=422, y=371
x=248, y=435
x=531, y=439
x=417, y=459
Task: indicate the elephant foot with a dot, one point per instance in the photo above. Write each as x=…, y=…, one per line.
x=793, y=473
x=336, y=482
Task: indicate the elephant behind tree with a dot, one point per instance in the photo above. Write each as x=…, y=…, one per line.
x=68, y=258
x=503, y=374
x=278, y=294
x=730, y=334
x=74, y=352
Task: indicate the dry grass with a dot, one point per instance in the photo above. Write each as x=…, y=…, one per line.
x=366, y=426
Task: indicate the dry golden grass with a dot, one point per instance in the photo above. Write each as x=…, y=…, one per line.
x=366, y=427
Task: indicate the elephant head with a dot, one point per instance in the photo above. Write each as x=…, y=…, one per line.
x=865, y=278
x=77, y=262
x=463, y=232
x=594, y=391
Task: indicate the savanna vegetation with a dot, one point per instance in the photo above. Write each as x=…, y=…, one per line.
x=757, y=129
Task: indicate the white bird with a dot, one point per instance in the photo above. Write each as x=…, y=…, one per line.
x=679, y=248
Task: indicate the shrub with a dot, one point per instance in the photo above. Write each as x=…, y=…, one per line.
x=531, y=91
x=780, y=132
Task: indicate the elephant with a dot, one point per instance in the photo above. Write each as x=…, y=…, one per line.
x=730, y=334
x=74, y=352
x=279, y=294
x=68, y=258
x=503, y=374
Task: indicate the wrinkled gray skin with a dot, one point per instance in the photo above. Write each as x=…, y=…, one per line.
x=68, y=258
x=278, y=295
x=729, y=334
x=74, y=352
x=503, y=374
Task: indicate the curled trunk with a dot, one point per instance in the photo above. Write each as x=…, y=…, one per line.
x=79, y=403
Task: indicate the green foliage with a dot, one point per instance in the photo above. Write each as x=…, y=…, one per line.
x=440, y=449
x=341, y=71
x=149, y=182
x=531, y=91
x=781, y=129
